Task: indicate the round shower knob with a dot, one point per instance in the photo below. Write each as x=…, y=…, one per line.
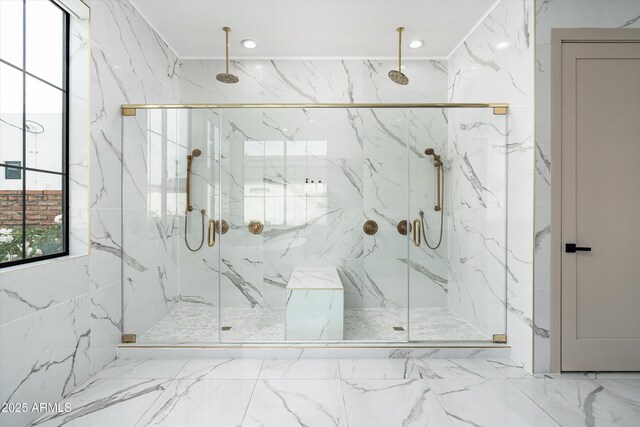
x=403, y=227
x=225, y=227
x=370, y=227
x=256, y=227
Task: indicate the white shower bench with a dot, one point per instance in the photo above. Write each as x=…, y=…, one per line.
x=314, y=305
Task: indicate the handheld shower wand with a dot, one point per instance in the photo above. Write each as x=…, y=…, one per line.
x=437, y=162
x=439, y=207
x=195, y=153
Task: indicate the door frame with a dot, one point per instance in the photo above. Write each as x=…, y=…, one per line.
x=558, y=37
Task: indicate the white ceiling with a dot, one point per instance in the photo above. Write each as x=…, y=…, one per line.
x=313, y=28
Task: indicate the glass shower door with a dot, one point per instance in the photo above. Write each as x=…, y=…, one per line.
x=298, y=187
x=458, y=287
x=170, y=292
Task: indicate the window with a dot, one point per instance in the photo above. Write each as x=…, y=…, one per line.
x=13, y=173
x=34, y=125
x=285, y=182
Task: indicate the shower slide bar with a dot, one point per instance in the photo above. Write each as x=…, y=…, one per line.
x=500, y=109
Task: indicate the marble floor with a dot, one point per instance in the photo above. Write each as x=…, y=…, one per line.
x=197, y=324
x=346, y=392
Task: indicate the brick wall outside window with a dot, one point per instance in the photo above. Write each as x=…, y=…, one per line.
x=42, y=207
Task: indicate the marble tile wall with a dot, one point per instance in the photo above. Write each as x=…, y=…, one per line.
x=61, y=320
x=495, y=64
x=312, y=81
x=130, y=63
x=558, y=14
x=363, y=165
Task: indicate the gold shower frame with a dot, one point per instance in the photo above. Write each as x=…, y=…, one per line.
x=499, y=109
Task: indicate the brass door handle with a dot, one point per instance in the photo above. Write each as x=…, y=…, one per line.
x=256, y=227
x=219, y=227
x=370, y=227
x=211, y=233
x=416, y=233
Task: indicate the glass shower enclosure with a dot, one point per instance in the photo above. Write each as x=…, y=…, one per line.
x=327, y=223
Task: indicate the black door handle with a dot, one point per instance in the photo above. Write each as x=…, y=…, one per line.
x=572, y=248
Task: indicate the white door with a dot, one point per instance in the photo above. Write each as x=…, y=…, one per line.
x=600, y=206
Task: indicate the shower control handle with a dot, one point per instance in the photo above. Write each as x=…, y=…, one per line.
x=370, y=227
x=572, y=248
x=256, y=227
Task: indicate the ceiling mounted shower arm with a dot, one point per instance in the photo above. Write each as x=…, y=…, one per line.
x=397, y=76
x=226, y=47
x=400, y=30
x=227, y=77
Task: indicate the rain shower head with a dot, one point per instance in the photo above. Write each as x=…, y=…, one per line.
x=429, y=151
x=227, y=77
x=196, y=152
x=397, y=76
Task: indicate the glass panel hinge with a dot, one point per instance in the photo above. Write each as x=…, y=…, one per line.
x=500, y=338
x=500, y=111
x=129, y=338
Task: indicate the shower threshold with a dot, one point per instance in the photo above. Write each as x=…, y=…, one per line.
x=315, y=350
x=373, y=332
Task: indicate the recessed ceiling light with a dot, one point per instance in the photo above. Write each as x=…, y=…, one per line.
x=416, y=44
x=503, y=45
x=249, y=44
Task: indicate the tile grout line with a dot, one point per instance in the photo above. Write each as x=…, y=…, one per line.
x=344, y=402
x=255, y=384
x=153, y=402
x=444, y=410
x=533, y=401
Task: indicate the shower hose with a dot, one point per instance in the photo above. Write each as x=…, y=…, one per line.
x=186, y=240
x=424, y=223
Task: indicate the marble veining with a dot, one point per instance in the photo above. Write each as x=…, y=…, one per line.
x=490, y=224
x=314, y=278
x=380, y=402
x=64, y=321
x=341, y=392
